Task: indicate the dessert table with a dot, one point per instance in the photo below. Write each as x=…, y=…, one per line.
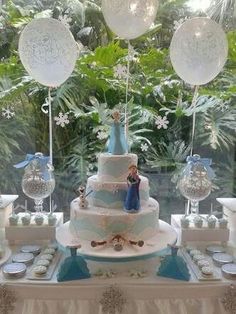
x=150, y=294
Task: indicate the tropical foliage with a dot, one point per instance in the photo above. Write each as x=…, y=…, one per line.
x=159, y=109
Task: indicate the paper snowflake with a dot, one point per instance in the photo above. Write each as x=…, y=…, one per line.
x=65, y=20
x=8, y=112
x=120, y=71
x=102, y=135
x=161, y=122
x=132, y=54
x=144, y=147
x=62, y=119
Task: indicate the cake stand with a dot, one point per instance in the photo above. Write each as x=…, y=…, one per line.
x=151, y=248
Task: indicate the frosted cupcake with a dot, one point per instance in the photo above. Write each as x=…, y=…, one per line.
x=223, y=223
x=211, y=222
x=26, y=219
x=198, y=222
x=13, y=219
x=184, y=222
x=39, y=219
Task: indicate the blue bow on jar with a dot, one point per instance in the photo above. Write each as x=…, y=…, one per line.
x=206, y=162
x=41, y=160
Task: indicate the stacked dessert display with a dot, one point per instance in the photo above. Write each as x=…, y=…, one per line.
x=115, y=216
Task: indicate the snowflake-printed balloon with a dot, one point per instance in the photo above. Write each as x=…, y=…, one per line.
x=62, y=119
x=8, y=112
x=161, y=122
x=120, y=71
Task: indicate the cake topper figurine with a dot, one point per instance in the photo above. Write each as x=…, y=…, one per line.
x=117, y=143
x=117, y=242
x=132, y=201
x=83, y=203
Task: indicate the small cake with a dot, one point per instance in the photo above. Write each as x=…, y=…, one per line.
x=48, y=257
x=207, y=271
x=13, y=219
x=39, y=270
x=26, y=219
x=43, y=262
x=39, y=219
x=223, y=223
x=198, y=222
x=49, y=251
x=194, y=252
x=211, y=222
x=198, y=257
x=52, y=219
x=184, y=222
x=203, y=263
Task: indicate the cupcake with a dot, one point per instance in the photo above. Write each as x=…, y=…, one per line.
x=203, y=263
x=13, y=219
x=198, y=222
x=39, y=219
x=211, y=222
x=52, y=220
x=26, y=219
x=207, y=271
x=184, y=222
x=223, y=223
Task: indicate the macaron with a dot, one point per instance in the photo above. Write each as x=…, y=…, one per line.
x=207, y=271
x=40, y=270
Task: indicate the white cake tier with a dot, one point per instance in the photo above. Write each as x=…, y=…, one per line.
x=115, y=168
x=101, y=224
x=113, y=194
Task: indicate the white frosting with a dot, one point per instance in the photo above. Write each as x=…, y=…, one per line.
x=97, y=223
x=115, y=168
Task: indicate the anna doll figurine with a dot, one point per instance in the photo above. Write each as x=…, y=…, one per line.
x=132, y=201
x=117, y=142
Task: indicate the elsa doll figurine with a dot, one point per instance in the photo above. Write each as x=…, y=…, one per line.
x=132, y=201
x=117, y=142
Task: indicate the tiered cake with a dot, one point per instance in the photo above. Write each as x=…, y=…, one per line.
x=105, y=216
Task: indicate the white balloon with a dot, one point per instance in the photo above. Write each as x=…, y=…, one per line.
x=48, y=51
x=129, y=18
x=198, y=50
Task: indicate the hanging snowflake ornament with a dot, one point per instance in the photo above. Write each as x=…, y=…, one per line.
x=102, y=135
x=120, y=71
x=144, y=147
x=161, y=122
x=8, y=112
x=65, y=20
x=112, y=301
x=62, y=119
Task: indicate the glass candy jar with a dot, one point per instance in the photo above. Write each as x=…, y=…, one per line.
x=38, y=181
x=195, y=181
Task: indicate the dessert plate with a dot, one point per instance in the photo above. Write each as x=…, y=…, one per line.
x=165, y=235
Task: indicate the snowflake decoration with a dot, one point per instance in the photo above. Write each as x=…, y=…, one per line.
x=7, y=300
x=144, y=147
x=115, y=189
x=112, y=301
x=179, y=22
x=229, y=300
x=105, y=274
x=120, y=71
x=8, y=112
x=65, y=20
x=137, y=274
x=102, y=135
x=62, y=119
x=161, y=122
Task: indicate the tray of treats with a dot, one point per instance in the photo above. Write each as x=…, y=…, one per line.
x=44, y=264
x=201, y=265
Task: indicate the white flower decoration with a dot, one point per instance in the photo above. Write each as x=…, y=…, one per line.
x=102, y=135
x=161, y=122
x=8, y=112
x=65, y=20
x=144, y=147
x=120, y=71
x=62, y=119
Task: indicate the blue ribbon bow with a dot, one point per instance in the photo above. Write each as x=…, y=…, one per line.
x=206, y=162
x=43, y=160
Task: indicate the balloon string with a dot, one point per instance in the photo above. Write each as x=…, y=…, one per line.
x=126, y=91
x=193, y=105
x=50, y=137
